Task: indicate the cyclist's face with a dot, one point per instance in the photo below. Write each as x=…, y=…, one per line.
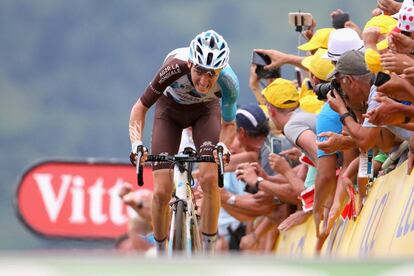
x=202, y=78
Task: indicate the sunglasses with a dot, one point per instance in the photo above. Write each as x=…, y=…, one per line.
x=211, y=72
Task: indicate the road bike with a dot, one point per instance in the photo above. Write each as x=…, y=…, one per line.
x=184, y=234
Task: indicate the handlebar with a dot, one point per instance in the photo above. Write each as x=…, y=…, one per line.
x=179, y=158
x=140, y=177
x=220, y=167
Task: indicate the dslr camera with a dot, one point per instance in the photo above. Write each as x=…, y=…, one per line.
x=321, y=90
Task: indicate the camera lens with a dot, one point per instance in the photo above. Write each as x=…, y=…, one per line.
x=322, y=89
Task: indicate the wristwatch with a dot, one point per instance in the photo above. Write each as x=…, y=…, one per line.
x=231, y=200
x=259, y=179
x=343, y=116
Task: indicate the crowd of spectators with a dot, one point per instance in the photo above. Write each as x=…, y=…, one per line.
x=305, y=148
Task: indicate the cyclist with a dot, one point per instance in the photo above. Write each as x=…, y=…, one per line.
x=187, y=90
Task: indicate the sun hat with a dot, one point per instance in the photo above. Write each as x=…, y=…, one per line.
x=342, y=40
x=281, y=93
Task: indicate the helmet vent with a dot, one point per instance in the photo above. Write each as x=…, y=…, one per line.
x=222, y=53
x=200, y=61
x=212, y=42
x=209, y=58
x=199, y=50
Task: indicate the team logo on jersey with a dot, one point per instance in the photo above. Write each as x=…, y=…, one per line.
x=169, y=71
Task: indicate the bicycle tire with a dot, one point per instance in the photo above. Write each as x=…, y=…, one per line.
x=178, y=227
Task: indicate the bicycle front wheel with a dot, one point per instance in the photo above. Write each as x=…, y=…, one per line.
x=178, y=242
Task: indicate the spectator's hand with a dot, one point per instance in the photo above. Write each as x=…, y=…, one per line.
x=408, y=75
x=410, y=162
x=370, y=36
x=278, y=163
x=125, y=189
x=352, y=25
x=292, y=154
x=320, y=216
x=246, y=173
x=254, y=79
x=332, y=143
x=376, y=11
x=278, y=58
x=294, y=219
x=336, y=102
x=263, y=198
x=389, y=7
x=309, y=32
x=139, y=200
x=400, y=43
x=348, y=24
x=249, y=241
x=396, y=62
x=386, y=113
x=396, y=87
x=259, y=170
x=337, y=206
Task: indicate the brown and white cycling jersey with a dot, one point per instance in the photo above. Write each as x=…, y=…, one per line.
x=173, y=80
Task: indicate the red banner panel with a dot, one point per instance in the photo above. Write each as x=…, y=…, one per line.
x=77, y=199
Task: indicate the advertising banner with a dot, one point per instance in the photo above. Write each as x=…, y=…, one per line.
x=65, y=199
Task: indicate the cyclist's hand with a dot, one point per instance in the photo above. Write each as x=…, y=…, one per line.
x=226, y=153
x=133, y=154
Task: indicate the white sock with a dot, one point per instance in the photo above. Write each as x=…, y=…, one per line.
x=209, y=242
x=161, y=246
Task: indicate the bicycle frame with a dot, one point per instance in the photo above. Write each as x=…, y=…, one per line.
x=191, y=238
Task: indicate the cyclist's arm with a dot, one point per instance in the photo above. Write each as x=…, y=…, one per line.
x=137, y=121
x=230, y=90
x=166, y=75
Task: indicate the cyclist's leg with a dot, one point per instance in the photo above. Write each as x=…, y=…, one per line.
x=166, y=135
x=205, y=142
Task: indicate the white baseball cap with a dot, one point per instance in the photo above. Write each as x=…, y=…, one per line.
x=341, y=41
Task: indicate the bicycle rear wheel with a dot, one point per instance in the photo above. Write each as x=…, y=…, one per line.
x=178, y=242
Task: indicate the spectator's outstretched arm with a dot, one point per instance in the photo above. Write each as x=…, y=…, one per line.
x=364, y=137
x=280, y=165
x=239, y=158
x=247, y=205
x=250, y=240
x=395, y=62
x=335, y=142
x=389, y=112
x=325, y=186
x=389, y=7
x=254, y=85
x=279, y=58
x=401, y=43
x=399, y=87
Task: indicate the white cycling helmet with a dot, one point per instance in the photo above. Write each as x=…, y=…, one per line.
x=209, y=50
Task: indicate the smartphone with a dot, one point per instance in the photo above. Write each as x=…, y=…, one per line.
x=381, y=78
x=260, y=59
x=338, y=20
x=276, y=145
x=300, y=19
